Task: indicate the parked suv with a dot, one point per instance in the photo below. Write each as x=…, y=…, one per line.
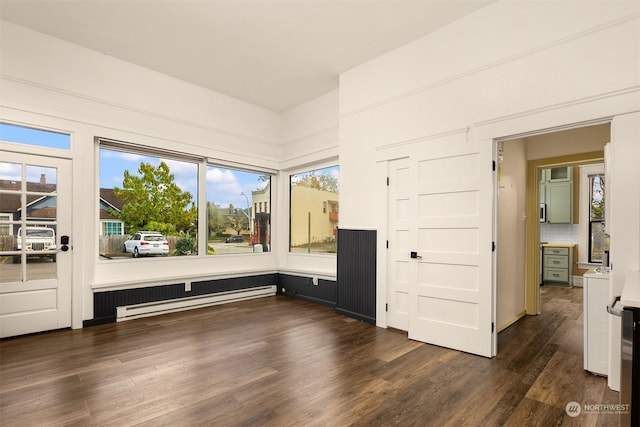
x=146, y=243
x=37, y=239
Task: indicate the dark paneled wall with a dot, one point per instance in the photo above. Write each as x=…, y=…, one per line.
x=105, y=303
x=303, y=288
x=357, y=274
x=353, y=295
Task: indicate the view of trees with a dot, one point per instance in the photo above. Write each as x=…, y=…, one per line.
x=597, y=197
x=237, y=219
x=320, y=181
x=152, y=201
x=215, y=222
x=142, y=191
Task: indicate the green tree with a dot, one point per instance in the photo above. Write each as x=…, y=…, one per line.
x=237, y=219
x=153, y=201
x=324, y=182
x=215, y=222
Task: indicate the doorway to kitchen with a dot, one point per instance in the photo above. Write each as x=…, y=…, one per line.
x=521, y=173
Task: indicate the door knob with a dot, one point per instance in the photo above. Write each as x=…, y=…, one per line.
x=415, y=255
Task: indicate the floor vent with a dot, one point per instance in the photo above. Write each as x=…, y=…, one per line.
x=161, y=307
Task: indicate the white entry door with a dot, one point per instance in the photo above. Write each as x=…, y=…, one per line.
x=447, y=259
x=35, y=264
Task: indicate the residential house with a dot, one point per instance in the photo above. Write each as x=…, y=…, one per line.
x=110, y=205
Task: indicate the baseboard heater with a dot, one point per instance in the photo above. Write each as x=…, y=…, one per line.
x=136, y=311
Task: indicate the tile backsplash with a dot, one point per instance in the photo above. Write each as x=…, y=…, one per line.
x=559, y=233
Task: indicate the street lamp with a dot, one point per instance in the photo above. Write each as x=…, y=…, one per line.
x=246, y=214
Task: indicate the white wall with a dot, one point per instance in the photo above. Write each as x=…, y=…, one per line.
x=511, y=68
x=509, y=60
x=512, y=191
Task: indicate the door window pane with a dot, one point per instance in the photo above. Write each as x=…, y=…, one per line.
x=28, y=206
x=314, y=211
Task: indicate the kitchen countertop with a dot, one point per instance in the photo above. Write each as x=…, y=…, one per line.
x=631, y=291
x=558, y=245
x=596, y=273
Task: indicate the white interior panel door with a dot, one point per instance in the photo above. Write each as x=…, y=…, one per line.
x=398, y=241
x=450, y=285
x=35, y=268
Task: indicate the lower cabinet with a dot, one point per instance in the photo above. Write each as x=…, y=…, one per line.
x=557, y=265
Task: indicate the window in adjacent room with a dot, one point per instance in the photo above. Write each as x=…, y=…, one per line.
x=597, y=236
x=314, y=211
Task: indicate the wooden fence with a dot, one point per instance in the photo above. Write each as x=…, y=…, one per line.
x=8, y=243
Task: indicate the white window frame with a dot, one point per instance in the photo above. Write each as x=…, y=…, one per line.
x=583, y=226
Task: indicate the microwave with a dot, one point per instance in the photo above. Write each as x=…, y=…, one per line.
x=543, y=212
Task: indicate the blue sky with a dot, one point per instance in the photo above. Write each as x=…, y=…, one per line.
x=37, y=137
x=224, y=186
x=22, y=135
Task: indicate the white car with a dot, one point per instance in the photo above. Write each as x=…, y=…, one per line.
x=146, y=243
x=37, y=239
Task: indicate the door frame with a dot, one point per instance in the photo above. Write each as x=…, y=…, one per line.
x=532, y=249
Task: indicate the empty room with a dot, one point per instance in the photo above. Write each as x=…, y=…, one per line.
x=319, y=212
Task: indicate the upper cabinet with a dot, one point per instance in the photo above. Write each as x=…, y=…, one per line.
x=557, y=194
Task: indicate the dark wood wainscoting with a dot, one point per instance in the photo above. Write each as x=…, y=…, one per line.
x=280, y=361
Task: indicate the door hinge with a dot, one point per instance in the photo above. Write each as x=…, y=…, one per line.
x=493, y=246
x=387, y=181
x=493, y=165
x=493, y=327
x=386, y=307
x=387, y=244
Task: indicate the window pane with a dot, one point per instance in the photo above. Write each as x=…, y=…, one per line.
x=314, y=211
x=597, y=241
x=28, y=221
x=596, y=205
x=238, y=213
x=597, y=236
x=140, y=192
x=41, y=138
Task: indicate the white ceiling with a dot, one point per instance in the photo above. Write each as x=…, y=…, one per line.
x=274, y=54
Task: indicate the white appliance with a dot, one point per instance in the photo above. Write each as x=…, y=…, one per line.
x=596, y=321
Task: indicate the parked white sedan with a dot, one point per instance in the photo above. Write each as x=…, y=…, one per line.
x=146, y=243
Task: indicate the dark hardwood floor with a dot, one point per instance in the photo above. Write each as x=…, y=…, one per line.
x=283, y=362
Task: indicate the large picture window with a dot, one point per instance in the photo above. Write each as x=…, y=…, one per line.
x=238, y=211
x=314, y=211
x=148, y=204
